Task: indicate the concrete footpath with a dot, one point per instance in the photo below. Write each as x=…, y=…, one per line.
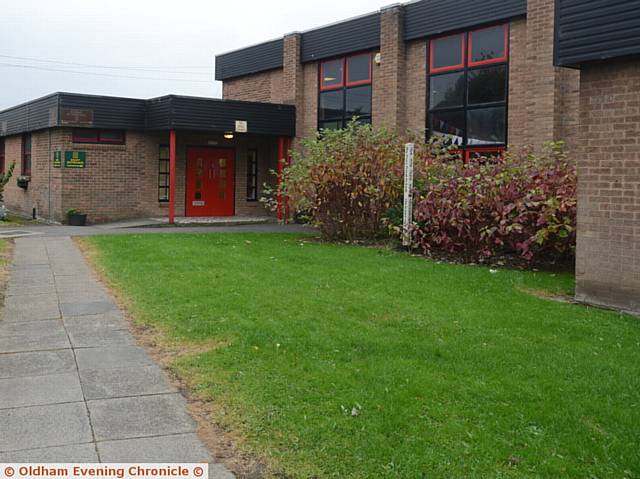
x=74, y=387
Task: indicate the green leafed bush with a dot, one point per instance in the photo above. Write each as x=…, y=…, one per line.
x=347, y=181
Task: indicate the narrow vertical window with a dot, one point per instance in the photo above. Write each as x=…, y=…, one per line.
x=163, y=174
x=26, y=154
x=2, y=155
x=252, y=175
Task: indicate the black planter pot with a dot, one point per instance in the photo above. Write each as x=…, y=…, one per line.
x=77, y=220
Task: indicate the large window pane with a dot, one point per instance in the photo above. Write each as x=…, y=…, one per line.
x=331, y=104
x=488, y=44
x=486, y=126
x=85, y=136
x=330, y=125
x=359, y=68
x=332, y=73
x=449, y=124
x=111, y=136
x=358, y=102
x=447, y=52
x=447, y=90
x=488, y=85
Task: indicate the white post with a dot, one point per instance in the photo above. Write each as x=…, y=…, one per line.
x=407, y=217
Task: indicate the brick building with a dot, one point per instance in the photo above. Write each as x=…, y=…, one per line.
x=604, y=43
x=484, y=74
x=113, y=158
x=488, y=75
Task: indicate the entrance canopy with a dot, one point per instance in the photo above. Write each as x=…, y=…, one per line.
x=171, y=112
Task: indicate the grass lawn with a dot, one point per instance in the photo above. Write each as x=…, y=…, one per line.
x=453, y=371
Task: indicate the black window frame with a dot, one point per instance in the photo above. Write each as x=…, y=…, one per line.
x=343, y=86
x=466, y=68
x=252, y=174
x=98, y=134
x=163, y=198
x=27, y=148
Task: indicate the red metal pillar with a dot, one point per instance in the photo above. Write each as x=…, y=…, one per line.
x=287, y=213
x=172, y=176
x=281, y=147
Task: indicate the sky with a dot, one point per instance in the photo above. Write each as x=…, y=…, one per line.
x=164, y=42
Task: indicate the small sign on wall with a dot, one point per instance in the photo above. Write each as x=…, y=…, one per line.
x=75, y=159
x=57, y=159
x=241, y=126
x=76, y=117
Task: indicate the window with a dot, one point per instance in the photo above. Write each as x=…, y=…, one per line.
x=468, y=89
x=252, y=175
x=163, y=174
x=345, y=91
x=1, y=155
x=26, y=154
x=85, y=135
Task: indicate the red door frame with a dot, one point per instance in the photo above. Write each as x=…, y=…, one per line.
x=233, y=177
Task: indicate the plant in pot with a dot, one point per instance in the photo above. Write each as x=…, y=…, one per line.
x=76, y=218
x=23, y=181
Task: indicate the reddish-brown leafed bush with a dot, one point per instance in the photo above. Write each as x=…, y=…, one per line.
x=522, y=204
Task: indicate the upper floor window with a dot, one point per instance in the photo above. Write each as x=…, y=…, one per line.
x=345, y=91
x=87, y=135
x=26, y=154
x=468, y=88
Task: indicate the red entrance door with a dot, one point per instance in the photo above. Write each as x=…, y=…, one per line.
x=210, y=182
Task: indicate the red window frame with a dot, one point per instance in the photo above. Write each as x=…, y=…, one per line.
x=488, y=149
x=504, y=58
x=450, y=68
x=342, y=80
x=2, y=155
x=346, y=70
x=26, y=154
x=98, y=135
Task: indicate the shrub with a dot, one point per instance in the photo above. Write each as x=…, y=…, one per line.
x=523, y=204
x=347, y=181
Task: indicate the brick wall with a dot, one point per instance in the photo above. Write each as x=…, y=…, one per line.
x=108, y=188
x=264, y=86
x=608, y=255
x=121, y=181
x=518, y=76
x=388, y=100
x=44, y=190
x=415, y=86
x=551, y=101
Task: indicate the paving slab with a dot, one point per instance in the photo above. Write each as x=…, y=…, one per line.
x=40, y=390
x=128, y=418
x=32, y=336
x=112, y=319
x=83, y=296
x=86, y=309
x=112, y=357
x=43, y=426
x=25, y=290
x=99, y=337
x=37, y=363
x=115, y=383
x=174, y=448
x=57, y=454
